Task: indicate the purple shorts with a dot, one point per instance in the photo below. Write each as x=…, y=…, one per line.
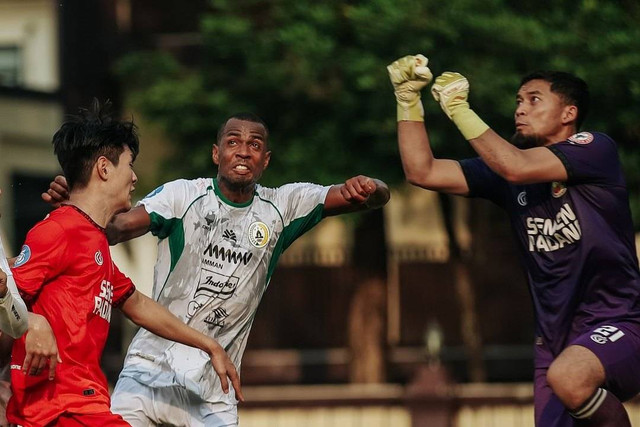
x=617, y=345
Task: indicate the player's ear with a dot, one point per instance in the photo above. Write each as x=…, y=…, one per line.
x=102, y=167
x=215, y=154
x=569, y=114
x=267, y=158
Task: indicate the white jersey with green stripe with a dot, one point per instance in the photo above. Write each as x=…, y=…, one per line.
x=215, y=259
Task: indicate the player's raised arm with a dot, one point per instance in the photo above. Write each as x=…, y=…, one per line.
x=125, y=226
x=409, y=75
x=518, y=166
x=356, y=194
x=145, y=312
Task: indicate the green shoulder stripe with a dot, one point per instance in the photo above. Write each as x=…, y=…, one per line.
x=171, y=228
x=291, y=232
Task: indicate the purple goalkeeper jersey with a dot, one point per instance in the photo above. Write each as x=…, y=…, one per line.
x=576, y=238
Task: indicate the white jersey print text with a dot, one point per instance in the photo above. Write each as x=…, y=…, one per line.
x=550, y=234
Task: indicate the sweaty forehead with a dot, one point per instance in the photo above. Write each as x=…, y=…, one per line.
x=236, y=126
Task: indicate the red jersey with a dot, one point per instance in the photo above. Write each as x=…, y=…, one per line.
x=66, y=274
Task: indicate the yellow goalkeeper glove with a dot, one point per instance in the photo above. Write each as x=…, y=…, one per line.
x=451, y=90
x=409, y=75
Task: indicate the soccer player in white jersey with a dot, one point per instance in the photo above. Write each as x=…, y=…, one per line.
x=219, y=242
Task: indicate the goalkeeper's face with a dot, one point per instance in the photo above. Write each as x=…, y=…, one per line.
x=541, y=117
x=241, y=154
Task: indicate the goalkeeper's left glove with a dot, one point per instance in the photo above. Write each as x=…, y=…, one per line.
x=409, y=75
x=451, y=90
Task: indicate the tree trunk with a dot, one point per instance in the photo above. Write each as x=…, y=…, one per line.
x=367, y=313
x=469, y=324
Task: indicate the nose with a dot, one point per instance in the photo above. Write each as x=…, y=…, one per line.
x=520, y=111
x=243, y=151
x=134, y=178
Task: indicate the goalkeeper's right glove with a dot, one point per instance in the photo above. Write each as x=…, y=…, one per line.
x=451, y=90
x=409, y=75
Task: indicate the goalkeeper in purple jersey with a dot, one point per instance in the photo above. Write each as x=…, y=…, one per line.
x=567, y=201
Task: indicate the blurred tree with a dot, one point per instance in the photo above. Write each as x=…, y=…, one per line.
x=315, y=71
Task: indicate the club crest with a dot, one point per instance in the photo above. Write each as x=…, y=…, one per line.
x=259, y=234
x=558, y=189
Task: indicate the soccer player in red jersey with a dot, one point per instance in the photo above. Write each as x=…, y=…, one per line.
x=65, y=273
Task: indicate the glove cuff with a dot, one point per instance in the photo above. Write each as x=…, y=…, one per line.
x=413, y=112
x=470, y=125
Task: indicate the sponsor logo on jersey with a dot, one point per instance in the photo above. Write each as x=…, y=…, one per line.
x=102, y=301
x=581, y=138
x=217, y=285
x=259, y=234
x=216, y=318
x=211, y=285
x=154, y=192
x=551, y=234
x=522, y=198
x=558, y=189
x=229, y=235
x=23, y=257
x=98, y=257
x=219, y=252
x=605, y=334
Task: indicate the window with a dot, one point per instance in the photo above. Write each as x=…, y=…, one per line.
x=10, y=66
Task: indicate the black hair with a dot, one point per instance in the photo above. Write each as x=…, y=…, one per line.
x=245, y=116
x=572, y=89
x=92, y=133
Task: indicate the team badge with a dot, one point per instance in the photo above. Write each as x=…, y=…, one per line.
x=582, y=138
x=558, y=189
x=23, y=257
x=258, y=234
x=98, y=257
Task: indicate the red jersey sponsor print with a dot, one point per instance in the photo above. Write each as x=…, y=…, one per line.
x=65, y=273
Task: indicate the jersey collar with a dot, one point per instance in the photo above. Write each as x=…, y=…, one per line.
x=221, y=196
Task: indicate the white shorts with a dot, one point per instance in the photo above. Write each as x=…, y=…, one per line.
x=144, y=406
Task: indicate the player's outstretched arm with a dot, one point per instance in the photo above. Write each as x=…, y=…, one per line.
x=145, y=312
x=409, y=75
x=125, y=226
x=356, y=194
x=515, y=165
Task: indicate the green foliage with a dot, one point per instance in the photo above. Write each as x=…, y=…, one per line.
x=315, y=71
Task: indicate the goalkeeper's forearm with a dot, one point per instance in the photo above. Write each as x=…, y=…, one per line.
x=13, y=311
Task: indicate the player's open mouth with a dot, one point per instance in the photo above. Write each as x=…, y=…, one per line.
x=241, y=168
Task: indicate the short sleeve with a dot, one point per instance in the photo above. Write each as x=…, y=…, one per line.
x=43, y=257
x=167, y=204
x=123, y=287
x=301, y=206
x=483, y=182
x=590, y=158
